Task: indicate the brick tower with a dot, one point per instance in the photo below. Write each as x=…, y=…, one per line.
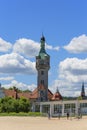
x=42, y=66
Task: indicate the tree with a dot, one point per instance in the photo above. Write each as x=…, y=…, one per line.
x=9, y=104
x=24, y=104
x=79, y=98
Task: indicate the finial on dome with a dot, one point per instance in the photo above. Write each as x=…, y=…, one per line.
x=42, y=38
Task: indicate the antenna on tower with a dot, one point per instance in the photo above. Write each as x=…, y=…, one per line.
x=42, y=34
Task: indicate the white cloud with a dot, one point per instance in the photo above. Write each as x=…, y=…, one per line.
x=29, y=47
x=4, y=45
x=16, y=64
x=66, y=88
x=20, y=85
x=51, y=47
x=77, y=44
x=56, y=48
x=72, y=72
x=6, y=78
x=73, y=69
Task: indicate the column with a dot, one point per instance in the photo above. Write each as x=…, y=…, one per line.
x=62, y=109
x=40, y=108
x=77, y=107
x=33, y=107
x=51, y=109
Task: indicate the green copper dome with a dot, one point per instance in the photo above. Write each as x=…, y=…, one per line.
x=42, y=52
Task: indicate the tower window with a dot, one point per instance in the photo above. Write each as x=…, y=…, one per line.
x=42, y=82
x=42, y=72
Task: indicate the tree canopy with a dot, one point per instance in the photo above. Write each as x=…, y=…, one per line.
x=9, y=104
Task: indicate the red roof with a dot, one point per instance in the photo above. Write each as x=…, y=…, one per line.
x=10, y=93
x=25, y=94
x=33, y=95
x=57, y=96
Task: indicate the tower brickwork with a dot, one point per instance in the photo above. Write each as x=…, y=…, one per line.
x=42, y=66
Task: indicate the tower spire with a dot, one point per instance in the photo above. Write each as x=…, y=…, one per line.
x=57, y=90
x=83, y=91
x=42, y=41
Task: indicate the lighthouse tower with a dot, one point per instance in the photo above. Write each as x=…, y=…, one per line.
x=42, y=66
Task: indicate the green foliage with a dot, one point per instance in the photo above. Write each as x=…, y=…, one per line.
x=35, y=114
x=22, y=114
x=26, y=90
x=15, y=88
x=8, y=104
x=24, y=105
x=18, y=90
x=79, y=98
x=69, y=98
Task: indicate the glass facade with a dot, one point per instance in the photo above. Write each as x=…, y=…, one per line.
x=57, y=108
x=75, y=107
x=45, y=108
x=69, y=108
x=82, y=105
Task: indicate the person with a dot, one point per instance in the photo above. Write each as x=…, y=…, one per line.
x=81, y=115
x=48, y=115
x=67, y=115
x=59, y=115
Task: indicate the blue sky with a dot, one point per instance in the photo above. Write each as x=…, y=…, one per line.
x=64, y=25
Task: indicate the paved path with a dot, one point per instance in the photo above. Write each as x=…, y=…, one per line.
x=42, y=123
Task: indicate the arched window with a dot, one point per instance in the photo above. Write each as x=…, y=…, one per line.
x=42, y=82
x=42, y=72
